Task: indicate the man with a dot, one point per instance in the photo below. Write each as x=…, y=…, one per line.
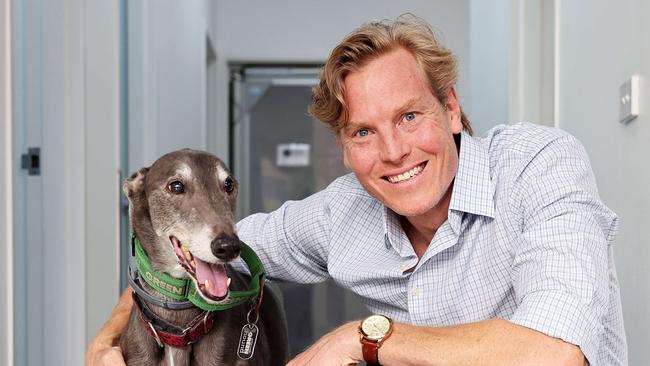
x=493, y=251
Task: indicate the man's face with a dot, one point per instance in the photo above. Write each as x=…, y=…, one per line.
x=399, y=141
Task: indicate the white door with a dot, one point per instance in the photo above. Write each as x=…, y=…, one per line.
x=28, y=189
x=62, y=98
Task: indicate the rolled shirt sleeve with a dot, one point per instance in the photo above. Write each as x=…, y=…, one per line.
x=561, y=262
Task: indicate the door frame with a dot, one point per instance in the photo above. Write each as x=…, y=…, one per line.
x=532, y=74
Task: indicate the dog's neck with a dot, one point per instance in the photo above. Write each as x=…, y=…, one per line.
x=178, y=317
x=148, y=239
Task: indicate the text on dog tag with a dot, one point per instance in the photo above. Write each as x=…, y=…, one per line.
x=247, y=341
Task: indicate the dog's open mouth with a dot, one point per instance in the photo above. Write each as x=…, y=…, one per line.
x=211, y=278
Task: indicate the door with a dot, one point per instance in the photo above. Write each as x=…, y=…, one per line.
x=28, y=188
x=280, y=153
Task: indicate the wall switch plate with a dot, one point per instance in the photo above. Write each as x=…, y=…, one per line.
x=629, y=100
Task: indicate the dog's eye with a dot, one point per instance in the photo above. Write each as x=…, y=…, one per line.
x=176, y=187
x=229, y=185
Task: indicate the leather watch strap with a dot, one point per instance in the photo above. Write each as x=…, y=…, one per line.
x=370, y=352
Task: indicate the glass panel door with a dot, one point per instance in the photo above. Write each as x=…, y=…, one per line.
x=280, y=153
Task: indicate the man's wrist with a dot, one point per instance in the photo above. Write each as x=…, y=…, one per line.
x=373, y=332
x=349, y=340
x=94, y=349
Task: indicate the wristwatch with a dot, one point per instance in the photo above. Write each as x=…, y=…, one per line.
x=374, y=330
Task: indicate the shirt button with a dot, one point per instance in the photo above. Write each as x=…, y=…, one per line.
x=415, y=291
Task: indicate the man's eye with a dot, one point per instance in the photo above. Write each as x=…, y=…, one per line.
x=176, y=187
x=362, y=132
x=409, y=117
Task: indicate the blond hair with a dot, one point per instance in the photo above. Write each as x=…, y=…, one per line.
x=370, y=41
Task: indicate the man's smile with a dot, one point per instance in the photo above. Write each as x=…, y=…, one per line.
x=405, y=175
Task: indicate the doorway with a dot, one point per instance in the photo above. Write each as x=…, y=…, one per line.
x=279, y=153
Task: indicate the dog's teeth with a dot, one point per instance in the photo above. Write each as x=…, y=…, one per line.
x=186, y=252
x=228, y=282
x=207, y=284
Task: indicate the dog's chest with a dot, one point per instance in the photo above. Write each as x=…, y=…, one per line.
x=175, y=357
x=220, y=346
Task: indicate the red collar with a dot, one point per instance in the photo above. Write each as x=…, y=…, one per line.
x=164, y=332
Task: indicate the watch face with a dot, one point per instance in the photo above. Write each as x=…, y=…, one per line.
x=375, y=327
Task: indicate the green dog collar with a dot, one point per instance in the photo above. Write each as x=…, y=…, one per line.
x=179, y=289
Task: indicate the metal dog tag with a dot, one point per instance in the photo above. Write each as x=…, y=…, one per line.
x=247, y=341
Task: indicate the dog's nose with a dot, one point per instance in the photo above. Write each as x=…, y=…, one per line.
x=226, y=247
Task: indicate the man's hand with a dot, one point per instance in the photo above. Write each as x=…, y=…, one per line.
x=109, y=356
x=103, y=349
x=337, y=348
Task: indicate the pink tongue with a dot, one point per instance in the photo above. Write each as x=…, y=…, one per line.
x=216, y=276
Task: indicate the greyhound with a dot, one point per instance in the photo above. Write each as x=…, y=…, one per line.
x=181, y=210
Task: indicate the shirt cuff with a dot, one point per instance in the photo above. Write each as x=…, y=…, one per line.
x=561, y=315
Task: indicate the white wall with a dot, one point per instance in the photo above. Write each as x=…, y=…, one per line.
x=306, y=31
x=490, y=25
x=167, y=77
x=6, y=180
x=531, y=66
x=601, y=45
x=511, y=71
x=102, y=185
x=63, y=172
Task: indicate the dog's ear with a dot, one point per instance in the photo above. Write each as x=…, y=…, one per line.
x=139, y=216
x=134, y=185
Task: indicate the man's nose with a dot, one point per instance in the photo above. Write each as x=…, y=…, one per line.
x=394, y=147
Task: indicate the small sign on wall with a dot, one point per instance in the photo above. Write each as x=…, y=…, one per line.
x=292, y=155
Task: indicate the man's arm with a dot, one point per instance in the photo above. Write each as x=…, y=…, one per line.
x=488, y=342
x=104, y=350
x=292, y=241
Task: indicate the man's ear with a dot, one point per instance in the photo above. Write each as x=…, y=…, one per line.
x=453, y=111
x=133, y=186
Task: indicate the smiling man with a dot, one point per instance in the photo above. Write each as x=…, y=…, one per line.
x=399, y=141
x=470, y=251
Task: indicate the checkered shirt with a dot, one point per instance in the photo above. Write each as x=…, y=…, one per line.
x=526, y=239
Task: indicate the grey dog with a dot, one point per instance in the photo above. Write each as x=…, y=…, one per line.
x=182, y=211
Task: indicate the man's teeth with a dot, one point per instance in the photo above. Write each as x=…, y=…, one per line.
x=406, y=175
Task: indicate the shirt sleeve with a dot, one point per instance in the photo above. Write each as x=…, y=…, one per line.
x=292, y=241
x=561, y=268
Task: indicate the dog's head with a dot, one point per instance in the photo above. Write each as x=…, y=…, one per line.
x=182, y=209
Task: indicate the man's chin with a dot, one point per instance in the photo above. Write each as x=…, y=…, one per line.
x=411, y=208
x=416, y=207
x=411, y=213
